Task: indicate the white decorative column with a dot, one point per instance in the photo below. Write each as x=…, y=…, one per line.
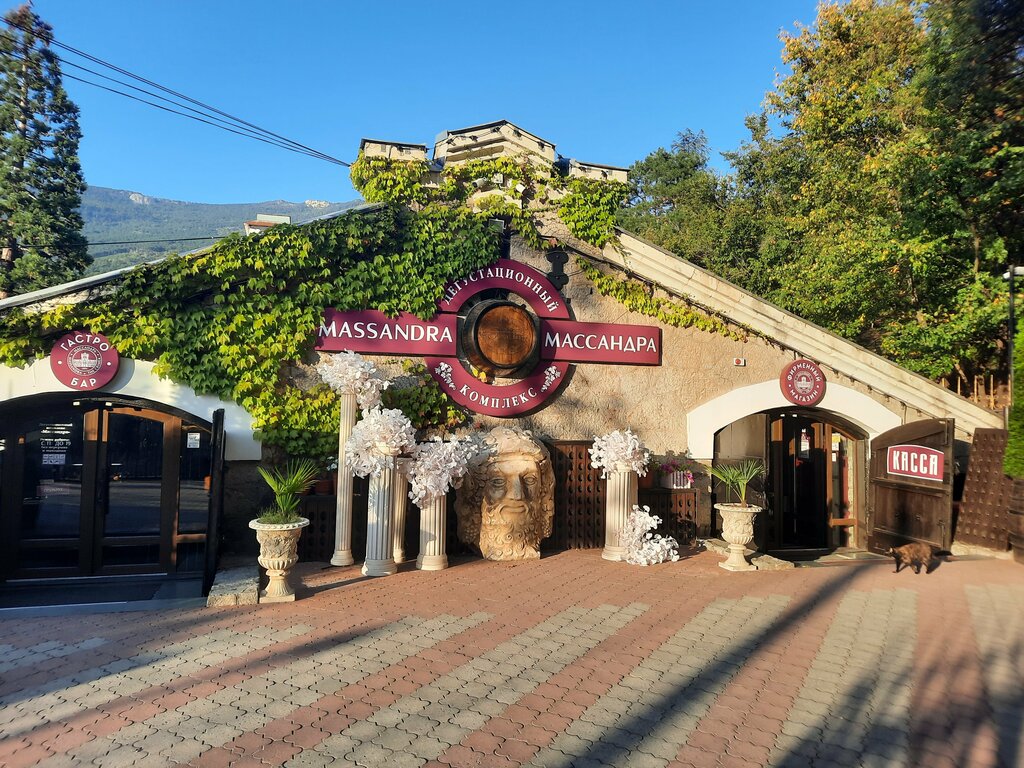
x=380, y=559
x=399, y=501
x=432, y=556
x=620, y=500
x=343, y=517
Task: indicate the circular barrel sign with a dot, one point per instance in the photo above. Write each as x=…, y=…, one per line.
x=802, y=383
x=501, y=337
x=84, y=361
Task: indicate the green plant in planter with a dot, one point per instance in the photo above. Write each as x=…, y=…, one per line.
x=288, y=484
x=736, y=477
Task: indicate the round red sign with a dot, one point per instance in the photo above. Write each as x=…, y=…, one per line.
x=802, y=383
x=84, y=361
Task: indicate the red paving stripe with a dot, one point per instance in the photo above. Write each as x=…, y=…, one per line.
x=20, y=753
x=532, y=724
x=754, y=704
x=357, y=701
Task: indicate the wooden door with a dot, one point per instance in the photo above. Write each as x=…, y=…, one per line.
x=911, y=480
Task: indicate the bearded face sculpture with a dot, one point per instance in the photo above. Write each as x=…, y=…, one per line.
x=506, y=506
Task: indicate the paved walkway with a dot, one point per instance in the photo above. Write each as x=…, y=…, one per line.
x=566, y=661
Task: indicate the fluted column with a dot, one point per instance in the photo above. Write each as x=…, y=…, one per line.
x=621, y=498
x=433, y=555
x=380, y=559
x=343, y=517
x=399, y=501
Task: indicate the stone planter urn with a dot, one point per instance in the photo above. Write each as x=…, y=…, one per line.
x=738, y=531
x=279, y=544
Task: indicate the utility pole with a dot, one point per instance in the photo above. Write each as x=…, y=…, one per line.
x=1012, y=272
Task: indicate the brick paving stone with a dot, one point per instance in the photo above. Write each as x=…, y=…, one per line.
x=169, y=681
x=879, y=705
x=711, y=644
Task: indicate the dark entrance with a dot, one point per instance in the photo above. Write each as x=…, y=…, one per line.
x=815, y=466
x=93, y=487
x=812, y=489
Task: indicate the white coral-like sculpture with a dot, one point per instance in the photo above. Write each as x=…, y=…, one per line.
x=379, y=434
x=440, y=465
x=619, y=449
x=642, y=546
x=349, y=373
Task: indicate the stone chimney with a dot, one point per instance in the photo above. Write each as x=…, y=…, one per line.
x=393, y=150
x=490, y=140
x=487, y=142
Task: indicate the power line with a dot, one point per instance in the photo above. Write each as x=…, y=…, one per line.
x=241, y=127
x=200, y=120
x=246, y=131
x=163, y=240
x=226, y=127
x=134, y=242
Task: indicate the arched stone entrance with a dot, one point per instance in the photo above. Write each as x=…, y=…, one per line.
x=138, y=379
x=842, y=402
x=814, y=488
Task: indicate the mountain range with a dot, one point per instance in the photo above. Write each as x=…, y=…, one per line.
x=117, y=219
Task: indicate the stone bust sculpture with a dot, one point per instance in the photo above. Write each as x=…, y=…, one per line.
x=506, y=505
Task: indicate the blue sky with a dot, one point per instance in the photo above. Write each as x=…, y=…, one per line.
x=606, y=82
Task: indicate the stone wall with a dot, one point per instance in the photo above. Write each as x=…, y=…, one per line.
x=654, y=401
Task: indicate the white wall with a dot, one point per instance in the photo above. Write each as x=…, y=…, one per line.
x=135, y=378
x=705, y=420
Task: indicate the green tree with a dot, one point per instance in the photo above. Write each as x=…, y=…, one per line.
x=974, y=86
x=677, y=201
x=41, y=180
x=868, y=228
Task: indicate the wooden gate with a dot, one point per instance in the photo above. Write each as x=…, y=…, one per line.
x=983, y=520
x=579, y=497
x=912, y=485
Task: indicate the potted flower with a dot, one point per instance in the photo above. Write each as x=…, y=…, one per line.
x=278, y=528
x=675, y=473
x=738, y=519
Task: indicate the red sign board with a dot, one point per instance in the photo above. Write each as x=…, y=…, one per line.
x=600, y=342
x=915, y=461
x=802, y=383
x=563, y=340
x=374, y=332
x=84, y=361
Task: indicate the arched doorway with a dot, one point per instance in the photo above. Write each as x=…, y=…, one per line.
x=101, y=486
x=814, y=487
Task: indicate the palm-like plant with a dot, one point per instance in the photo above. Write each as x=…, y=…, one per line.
x=736, y=477
x=287, y=484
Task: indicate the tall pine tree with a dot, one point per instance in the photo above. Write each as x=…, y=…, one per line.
x=41, y=182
